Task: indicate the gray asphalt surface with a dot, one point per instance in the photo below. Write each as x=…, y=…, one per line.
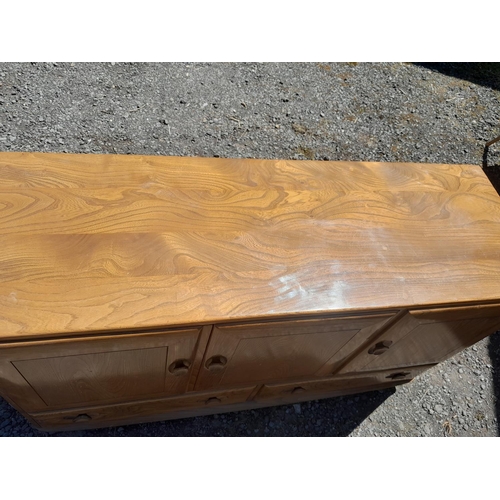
x=438, y=113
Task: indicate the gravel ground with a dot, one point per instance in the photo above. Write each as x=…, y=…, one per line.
x=438, y=113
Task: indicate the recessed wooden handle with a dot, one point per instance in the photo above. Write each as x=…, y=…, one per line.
x=380, y=347
x=398, y=375
x=297, y=390
x=83, y=417
x=213, y=400
x=216, y=363
x=179, y=367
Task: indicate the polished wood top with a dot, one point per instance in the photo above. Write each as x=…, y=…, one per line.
x=100, y=242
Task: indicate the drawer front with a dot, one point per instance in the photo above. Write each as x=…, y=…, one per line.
x=140, y=411
x=336, y=386
x=256, y=353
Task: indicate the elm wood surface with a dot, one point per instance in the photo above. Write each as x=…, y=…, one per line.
x=212, y=285
x=107, y=242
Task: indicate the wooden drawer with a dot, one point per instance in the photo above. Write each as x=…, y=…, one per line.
x=337, y=386
x=141, y=411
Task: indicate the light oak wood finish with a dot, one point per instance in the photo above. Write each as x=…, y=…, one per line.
x=136, y=288
x=107, y=242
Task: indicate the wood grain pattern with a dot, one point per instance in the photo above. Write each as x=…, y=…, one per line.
x=107, y=242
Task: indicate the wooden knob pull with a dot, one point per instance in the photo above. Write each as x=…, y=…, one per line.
x=380, y=347
x=216, y=363
x=297, y=390
x=179, y=367
x=398, y=375
x=213, y=400
x=83, y=417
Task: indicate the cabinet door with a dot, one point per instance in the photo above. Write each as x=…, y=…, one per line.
x=36, y=376
x=426, y=337
x=263, y=352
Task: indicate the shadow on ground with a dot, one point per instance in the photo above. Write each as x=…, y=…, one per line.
x=494, y=352
x=338, y=416
x=486, y=74
x=493, y=174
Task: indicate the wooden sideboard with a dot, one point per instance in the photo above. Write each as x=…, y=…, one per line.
x=141, y=288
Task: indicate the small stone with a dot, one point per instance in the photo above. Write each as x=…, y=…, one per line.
x=4, y=424
x=297, y=408
x=460, y=370
x=483, y=387
x=438, y=408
